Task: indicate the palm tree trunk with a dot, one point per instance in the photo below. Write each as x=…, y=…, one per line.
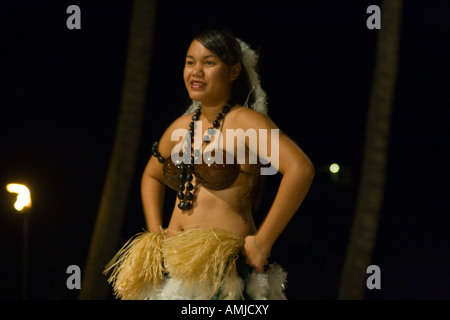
x=373, y=175
x=121, y=168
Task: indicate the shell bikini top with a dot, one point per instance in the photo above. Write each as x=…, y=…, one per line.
x=212, y=175
x=216, y=176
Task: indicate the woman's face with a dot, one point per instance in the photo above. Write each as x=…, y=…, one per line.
x=207, y=78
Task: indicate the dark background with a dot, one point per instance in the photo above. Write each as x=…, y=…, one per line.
x=61, y=92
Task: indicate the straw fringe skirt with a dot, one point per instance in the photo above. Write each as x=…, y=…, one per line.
x=198, y=264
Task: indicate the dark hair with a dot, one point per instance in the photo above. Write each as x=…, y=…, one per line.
x=225, y=45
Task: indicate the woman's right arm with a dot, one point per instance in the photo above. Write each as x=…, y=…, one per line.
x=152, y=194
x=152, y=181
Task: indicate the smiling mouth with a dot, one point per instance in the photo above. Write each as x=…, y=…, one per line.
x=197, y=84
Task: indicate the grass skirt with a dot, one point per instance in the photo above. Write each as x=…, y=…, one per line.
x=198, y=264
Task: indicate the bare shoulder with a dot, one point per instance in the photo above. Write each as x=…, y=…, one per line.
x=181, y=122
x=247, y=118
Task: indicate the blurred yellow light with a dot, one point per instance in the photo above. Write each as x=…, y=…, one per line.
x=334, y=168
x=23, y=195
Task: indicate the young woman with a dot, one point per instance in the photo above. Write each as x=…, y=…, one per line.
x=214, y=156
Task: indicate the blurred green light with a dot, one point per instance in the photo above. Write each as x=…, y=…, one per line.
x=334, y=168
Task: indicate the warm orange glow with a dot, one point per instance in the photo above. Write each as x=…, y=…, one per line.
x=23, y=195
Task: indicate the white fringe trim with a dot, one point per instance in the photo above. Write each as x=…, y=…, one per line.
x=259, y=286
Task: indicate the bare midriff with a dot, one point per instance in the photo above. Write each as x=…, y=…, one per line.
x=228, y=209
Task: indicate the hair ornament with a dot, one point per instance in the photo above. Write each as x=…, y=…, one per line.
x=250, y=62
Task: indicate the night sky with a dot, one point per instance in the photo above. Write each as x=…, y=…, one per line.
x=61, y=93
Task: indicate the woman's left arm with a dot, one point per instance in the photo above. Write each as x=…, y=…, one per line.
x=297, y=173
